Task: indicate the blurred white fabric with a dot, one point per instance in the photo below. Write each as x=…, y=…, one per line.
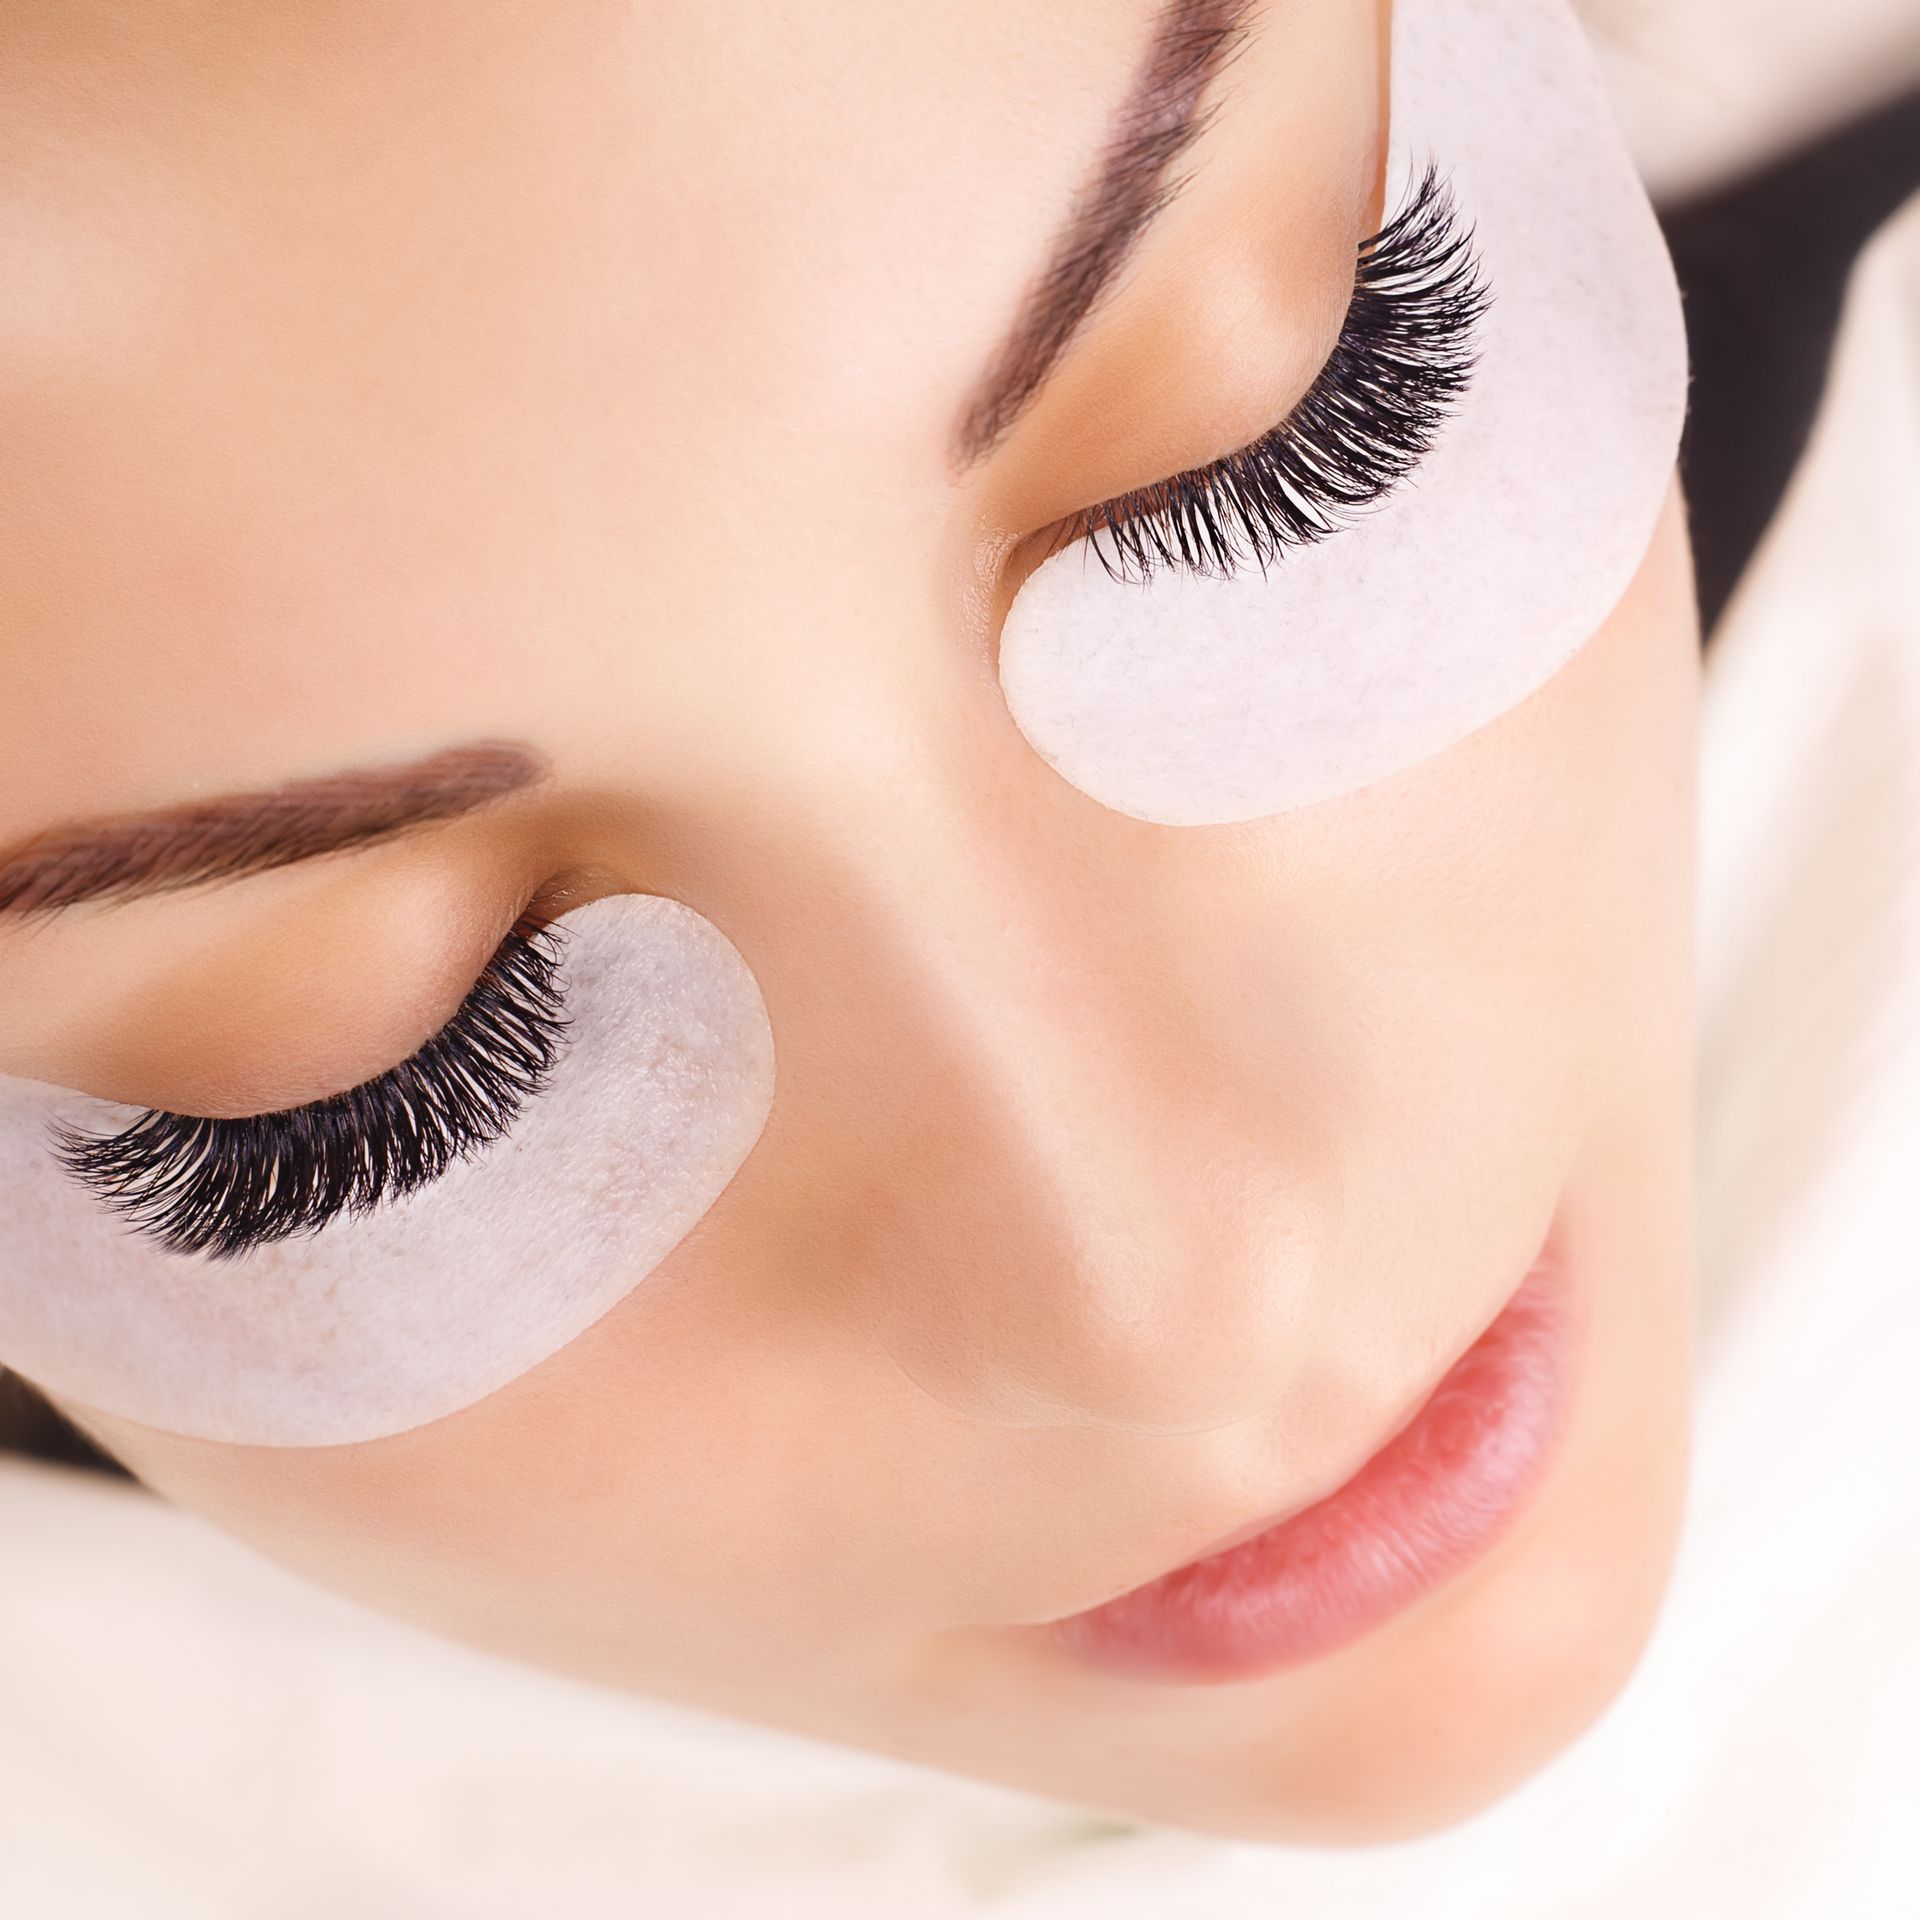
x=1707, y=89
x=188, y=1734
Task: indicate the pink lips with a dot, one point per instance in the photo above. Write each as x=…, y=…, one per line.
x=1435, y=1497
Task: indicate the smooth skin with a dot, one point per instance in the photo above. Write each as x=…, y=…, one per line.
x=378, y=378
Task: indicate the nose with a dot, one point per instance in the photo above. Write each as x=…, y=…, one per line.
x=1072, y=1141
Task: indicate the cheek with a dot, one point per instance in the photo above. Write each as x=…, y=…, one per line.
x=1194, y=701
x=379, y=1324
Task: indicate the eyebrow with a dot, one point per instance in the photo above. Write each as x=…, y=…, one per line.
x=134, y=855
x=1133, y=184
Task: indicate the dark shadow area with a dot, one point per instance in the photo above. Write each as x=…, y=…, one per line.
x=28, y=1425
x=1763, y=264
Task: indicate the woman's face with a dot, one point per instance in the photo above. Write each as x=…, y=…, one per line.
x=381, y=381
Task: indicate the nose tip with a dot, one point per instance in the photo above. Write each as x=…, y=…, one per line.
x=1175, y=1303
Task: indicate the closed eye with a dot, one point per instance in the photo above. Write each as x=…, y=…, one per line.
x=1403, y=360
x=221, y=1187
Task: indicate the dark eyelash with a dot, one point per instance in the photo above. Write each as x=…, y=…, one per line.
x=221, y=1187
x=1404, y=357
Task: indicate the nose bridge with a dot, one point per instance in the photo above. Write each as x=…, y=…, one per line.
x=1089, y=1209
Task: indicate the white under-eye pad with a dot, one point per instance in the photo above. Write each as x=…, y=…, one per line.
x=1194, y=701
x=384, y=1321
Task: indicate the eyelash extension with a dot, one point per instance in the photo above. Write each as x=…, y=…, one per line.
x=222, y=1187
x=1404, y=357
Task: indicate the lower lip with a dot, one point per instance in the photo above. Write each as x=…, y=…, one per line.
x=1433, y=1499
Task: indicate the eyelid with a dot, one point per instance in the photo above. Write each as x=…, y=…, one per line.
x=224, y=1186
x=261, y=998
x=1402, y=359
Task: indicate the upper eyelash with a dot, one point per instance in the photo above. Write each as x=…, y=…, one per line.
x=223, y=1186
x=1404, y=357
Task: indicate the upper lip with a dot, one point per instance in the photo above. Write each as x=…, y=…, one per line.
x=1272, y=1518
x=1278, y=1515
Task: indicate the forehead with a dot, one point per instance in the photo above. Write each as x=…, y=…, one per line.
x=225, y=162
x=389, y=335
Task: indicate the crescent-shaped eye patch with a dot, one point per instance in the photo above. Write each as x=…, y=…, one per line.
x=1203, y=697
x=384, y=1319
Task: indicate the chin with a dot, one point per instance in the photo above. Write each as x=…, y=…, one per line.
x=1497, y=1700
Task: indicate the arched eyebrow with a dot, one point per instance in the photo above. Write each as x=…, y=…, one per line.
x=1134, y=182
x=134, y=855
